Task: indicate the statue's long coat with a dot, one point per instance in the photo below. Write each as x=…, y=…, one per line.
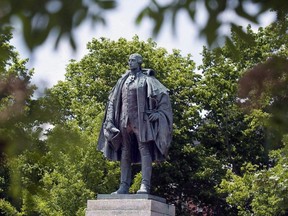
x=152, y=96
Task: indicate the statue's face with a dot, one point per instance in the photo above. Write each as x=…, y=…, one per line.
x=133, y=63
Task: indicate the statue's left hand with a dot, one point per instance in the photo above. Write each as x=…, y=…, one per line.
x=154, y=116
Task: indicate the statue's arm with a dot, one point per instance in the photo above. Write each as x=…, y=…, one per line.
x=162, y=106
x=109, y=124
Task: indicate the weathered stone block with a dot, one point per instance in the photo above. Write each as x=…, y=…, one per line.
x=129, y=205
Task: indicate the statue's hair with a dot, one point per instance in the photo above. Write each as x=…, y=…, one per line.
x=138, y=57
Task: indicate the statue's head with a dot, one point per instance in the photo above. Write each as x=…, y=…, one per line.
x=138, y=57
x=135, y=61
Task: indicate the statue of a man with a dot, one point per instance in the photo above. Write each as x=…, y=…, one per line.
x=137, y=126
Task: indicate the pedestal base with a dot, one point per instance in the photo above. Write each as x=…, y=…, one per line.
x=129, y=205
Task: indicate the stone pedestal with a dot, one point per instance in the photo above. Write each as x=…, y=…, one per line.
x=129, y=205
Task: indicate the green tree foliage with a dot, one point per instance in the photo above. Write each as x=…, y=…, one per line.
x=15, y=89
x=60, y=17
x=50, y=171
x=225, y=129
x=15, y=97
x=263, y=90
x=39, y=19
x=259, y=192
x=66, y=173
x=160, y=12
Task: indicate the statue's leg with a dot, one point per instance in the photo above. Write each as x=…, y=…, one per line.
x=146, y=168
x=125, y=165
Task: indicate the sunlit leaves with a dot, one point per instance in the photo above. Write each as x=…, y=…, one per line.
x=261, y=192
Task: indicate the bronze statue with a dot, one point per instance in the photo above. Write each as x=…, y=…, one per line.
x=137, y=126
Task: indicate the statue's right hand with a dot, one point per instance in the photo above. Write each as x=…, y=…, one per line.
x=111, y=127
x=110, y=133
x=115, y=130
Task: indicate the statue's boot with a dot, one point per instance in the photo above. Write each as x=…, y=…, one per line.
x=123, y=189
x=125, y=177
x=146, y=168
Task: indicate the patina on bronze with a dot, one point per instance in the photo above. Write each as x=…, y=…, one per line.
x=137, y=127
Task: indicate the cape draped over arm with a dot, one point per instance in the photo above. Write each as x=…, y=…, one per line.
x=163, y=127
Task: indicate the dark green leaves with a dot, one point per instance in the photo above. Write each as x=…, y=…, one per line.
x=39, y=19
x=61, y=18
x=160, y=13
